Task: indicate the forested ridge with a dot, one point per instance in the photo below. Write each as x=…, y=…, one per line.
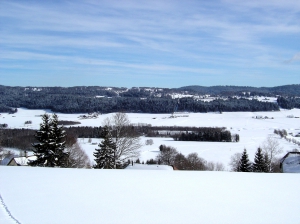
x=83, y=99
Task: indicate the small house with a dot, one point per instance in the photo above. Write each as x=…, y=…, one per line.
x=290, y=163
x=21, y=161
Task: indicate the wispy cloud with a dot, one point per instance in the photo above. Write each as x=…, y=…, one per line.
x=196, y=37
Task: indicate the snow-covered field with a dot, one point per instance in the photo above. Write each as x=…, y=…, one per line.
x=252, y=131
x=53, y=195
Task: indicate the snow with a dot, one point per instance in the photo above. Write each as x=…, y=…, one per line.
x=53, y=195
x=23, y=161
x=136, y=166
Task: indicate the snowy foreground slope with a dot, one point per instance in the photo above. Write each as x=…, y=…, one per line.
x=53, y=195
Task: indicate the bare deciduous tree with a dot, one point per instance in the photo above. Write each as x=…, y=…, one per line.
x=271, y=148
x=211, y=166
x=167, y=155
x=124, y=136
x=235, y=161
x=77, y=157
x=180, y=162
x=194, y=162
x=219, y=167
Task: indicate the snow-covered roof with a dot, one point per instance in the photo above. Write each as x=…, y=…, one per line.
x=136, y=166
x=22, y=160
x=290, y=163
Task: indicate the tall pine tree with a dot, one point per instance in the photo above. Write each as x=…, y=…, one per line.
x=43, y=137
x=105, y=155
x=245, y=164
x=259, y=164
x=50, y=149
x=58, y=155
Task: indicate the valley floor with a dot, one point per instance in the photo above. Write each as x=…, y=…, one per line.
x=252, y=131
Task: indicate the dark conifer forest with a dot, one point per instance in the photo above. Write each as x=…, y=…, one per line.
x=83, y=99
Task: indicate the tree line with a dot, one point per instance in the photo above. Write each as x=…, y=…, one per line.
x=23, y=138
x=209, y=135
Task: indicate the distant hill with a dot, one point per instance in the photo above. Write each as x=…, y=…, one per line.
x=82, y=99
x=286, y=90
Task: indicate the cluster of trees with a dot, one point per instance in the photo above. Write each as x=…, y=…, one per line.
x=170, y=156
x=49, y=151
x=288, y=102
x=54, y=149
x=189, y=133
x=20, y=138
x=261, y=163
x=265, y=160
x=6, y=109
x=207, y=134
x=282, y=133
x=84, y=131
x=120, y=143
x=4, y=154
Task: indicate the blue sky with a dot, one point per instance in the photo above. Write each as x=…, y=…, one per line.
x=149, y=43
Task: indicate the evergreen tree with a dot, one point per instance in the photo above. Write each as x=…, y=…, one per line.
x=105, y=155
x=50, y=149
x=259, y=164
x=58, y=155
x=41, y=149
x=244, y=165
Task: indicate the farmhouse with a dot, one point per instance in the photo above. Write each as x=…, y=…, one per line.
x=290, y=163
x=20, y=161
